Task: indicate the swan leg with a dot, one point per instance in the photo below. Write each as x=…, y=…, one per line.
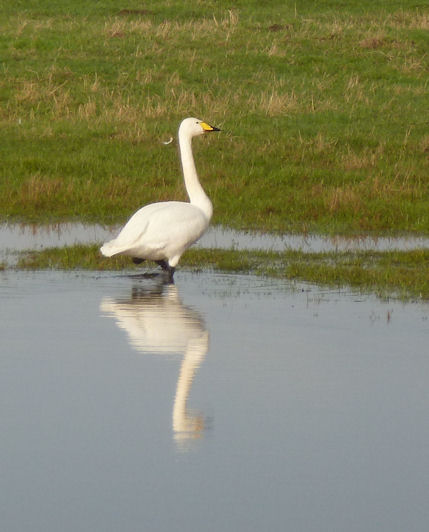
x=137, y=260
x=167, y=268
x=171, y=271
x=164, y=264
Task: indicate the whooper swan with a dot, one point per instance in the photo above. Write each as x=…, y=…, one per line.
x=163, y=231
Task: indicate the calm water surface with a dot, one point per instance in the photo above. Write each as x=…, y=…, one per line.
x=222, y=403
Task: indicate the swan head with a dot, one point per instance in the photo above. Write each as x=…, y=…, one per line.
x=192, y=127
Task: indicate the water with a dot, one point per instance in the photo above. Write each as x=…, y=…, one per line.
x=19, y=237
x=222, y=403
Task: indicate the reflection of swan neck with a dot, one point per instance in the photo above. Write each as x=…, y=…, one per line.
x=186, y=425
x=195, y=191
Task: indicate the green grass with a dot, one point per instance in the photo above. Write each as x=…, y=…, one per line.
x=323, y=108
x=388, y=274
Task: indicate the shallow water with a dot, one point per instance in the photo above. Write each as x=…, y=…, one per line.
x=19, y=237
x=222, y=403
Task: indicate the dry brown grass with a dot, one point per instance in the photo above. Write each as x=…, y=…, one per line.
x=373, y=43
x=408, y=20
x=39, y=190
x=353, y=197
x=169, y=29
x=424, y=145
x=365, y=158
x=274, y=103
x=120, y=27
x=343, y=198
x=42, y=90
x=357, y=91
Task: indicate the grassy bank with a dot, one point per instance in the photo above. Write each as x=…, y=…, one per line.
x=397, y=274
x=323, y=108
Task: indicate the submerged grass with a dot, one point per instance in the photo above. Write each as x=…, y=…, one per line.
x=322, y=105
x=403, y=274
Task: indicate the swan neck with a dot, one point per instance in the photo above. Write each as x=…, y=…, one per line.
x=195, y=191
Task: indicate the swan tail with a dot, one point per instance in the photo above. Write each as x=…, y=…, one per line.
x=109, y=249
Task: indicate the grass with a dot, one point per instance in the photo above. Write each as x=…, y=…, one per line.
x=388, y=274
x=323, y=108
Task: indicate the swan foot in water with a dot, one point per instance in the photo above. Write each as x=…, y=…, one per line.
x=169, y=270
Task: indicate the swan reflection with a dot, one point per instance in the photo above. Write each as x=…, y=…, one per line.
x=156, y=321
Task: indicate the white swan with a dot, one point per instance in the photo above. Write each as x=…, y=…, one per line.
x=163, y=231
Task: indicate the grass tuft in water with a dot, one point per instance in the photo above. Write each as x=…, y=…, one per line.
x=80, y=257
x=403, y=274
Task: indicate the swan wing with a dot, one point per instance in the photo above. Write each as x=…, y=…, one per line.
x=159, y=231
x=171, y=229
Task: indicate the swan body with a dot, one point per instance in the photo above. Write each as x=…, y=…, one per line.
x=163, y=231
